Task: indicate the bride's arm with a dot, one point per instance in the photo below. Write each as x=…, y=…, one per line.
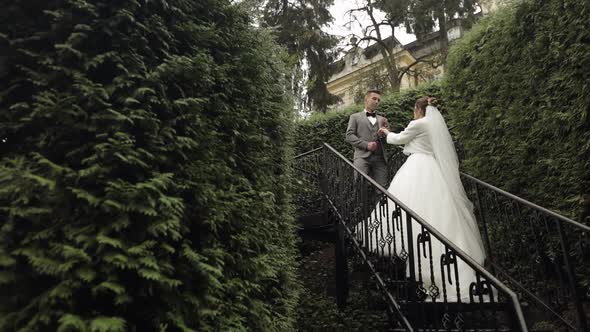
x=413, y=129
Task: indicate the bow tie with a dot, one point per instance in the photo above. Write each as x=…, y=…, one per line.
x=371, y=114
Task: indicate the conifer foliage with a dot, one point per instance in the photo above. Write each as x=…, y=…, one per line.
x=517, y=85
x=142, y=177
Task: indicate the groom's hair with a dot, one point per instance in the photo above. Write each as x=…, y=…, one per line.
x=372, y=91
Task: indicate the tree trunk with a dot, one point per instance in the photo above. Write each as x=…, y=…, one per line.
x=442, y=24
x=386, y=52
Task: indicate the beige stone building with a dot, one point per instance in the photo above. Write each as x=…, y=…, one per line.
x=488, y=6
x=356, y=66
x=349, y=72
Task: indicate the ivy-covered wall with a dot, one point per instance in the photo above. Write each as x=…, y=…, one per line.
x=143, y=172
x=518, y=85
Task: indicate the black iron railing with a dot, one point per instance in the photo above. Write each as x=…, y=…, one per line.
x=539, y=253
x=415, y=267
x=308, y=197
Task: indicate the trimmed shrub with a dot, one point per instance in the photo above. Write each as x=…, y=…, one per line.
x=143, y=169
x=518, y=88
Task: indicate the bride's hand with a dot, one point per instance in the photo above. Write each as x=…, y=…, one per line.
x=383, y=131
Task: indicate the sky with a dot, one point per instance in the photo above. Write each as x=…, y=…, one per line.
x=340, y=28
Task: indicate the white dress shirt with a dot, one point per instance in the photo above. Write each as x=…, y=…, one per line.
x=373, y=119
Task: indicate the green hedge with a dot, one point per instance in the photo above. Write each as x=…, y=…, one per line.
x=143, y=169
x=331, y=127
x=518, y=85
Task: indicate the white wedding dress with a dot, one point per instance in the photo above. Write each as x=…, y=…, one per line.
x=428, y=183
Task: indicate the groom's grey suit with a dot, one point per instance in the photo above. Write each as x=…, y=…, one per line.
x=359, y=133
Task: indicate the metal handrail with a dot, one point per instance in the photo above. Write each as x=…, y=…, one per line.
x=465, y=257
x=396, y=306
x=533, y=296
x=528, y=203
x=560, y=221
x=307, y=153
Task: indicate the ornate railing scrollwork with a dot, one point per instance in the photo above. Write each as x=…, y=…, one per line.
x=539, y=253
x=423, y=287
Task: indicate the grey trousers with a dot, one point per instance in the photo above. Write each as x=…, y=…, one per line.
x=375, y=167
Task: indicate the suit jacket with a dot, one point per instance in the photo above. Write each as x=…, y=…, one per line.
x=360, y=132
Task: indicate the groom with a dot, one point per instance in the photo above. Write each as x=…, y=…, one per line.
x=363, y=134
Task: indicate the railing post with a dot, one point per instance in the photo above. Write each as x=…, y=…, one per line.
x=581, y=317
x=323, y=182
x=517, y=317
x=341, y=263
x=485, y=226
x=409, y=231
x=366, y=214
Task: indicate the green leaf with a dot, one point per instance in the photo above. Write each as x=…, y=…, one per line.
x=108, y=324
x=71, y=323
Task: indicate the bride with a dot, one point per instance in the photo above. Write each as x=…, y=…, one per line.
x=429, y=184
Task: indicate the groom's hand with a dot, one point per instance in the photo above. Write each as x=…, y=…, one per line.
x=372, y=146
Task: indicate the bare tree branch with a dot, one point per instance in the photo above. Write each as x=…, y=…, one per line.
x=423, y=59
